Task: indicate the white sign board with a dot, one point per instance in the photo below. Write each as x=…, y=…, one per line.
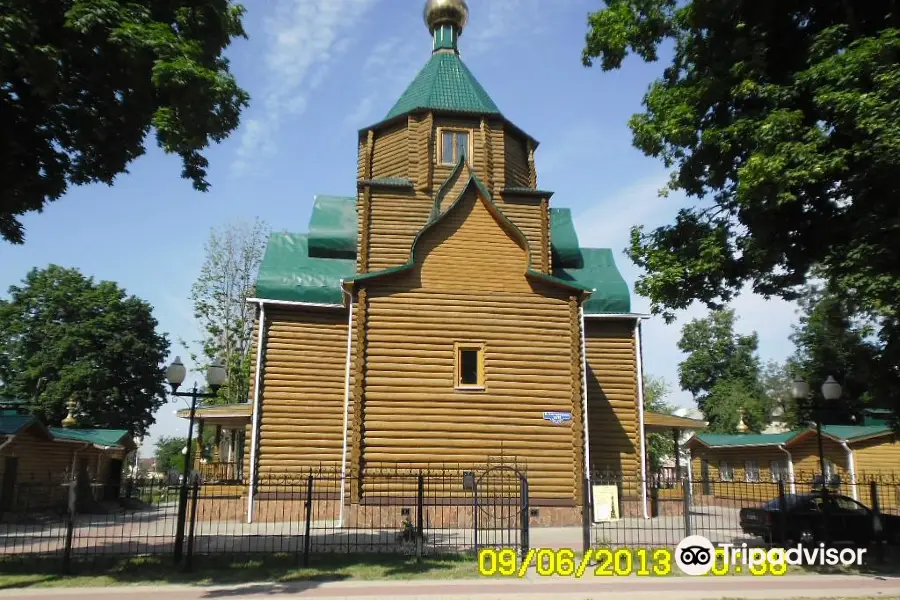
x=606, y=503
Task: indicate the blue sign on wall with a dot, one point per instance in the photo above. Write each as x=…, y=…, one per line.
x=558, y=418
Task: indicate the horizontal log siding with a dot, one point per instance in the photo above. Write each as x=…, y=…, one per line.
x=303, y=390
x=469, y=285
x=248, y=431
x=806, y=456
x=612, y=397
x=498, y=152
x=390, y=157
x=737, y=458
x=395, y=220
x=518, y=173
x=877, y=455
x=526, y=213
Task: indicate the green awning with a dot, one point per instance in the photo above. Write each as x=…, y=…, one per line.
x=99, y=437
x=289, y=273
x=738, y=440
x=333, y=227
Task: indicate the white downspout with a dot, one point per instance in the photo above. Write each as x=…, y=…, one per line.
x=254, y=432
x=8, y=441
x=584, y=399
x=346, y=405
x=852, y=468
x=640, y=400
x=790, y=465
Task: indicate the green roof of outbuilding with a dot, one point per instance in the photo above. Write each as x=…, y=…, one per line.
x=332, y=227
x=11, y=423
x=599, y=273
x=848, y=433
x=289, y=273
x=720, y=440
x=101, y=437
x=445, y=83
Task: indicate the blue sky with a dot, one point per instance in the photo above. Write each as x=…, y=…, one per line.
x=319, y=70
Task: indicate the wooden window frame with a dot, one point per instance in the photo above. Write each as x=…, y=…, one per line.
x=458, y=348
x=722, y=471
x=778, y=470
x=439, y=155
x=752, y=475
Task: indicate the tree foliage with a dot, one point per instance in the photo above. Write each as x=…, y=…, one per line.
x=830, y=342
x=722, y=372
x=169, y=455
x=63, y=336
x=82, y=82
x=227, y=278
x=659, y=445
x=781, y=119
x=776, y=379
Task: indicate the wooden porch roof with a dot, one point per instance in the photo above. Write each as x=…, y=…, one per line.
x=654, y=421
x=223, y=413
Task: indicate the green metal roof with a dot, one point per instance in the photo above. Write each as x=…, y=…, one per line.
x=848, y=433
x=722, y=440
x=445, y=83
x=564, y=240
x=333, y=227
x=100, y=437
x=289, y=273
x=599, y=273
x=11, y=424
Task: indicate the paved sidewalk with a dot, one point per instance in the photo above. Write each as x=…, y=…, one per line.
x=630, y=588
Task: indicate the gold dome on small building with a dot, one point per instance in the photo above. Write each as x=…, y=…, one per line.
x=446, y=12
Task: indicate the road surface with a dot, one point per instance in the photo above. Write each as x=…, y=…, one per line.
x=630, y=588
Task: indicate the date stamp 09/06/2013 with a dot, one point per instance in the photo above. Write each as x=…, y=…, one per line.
x=694, y=556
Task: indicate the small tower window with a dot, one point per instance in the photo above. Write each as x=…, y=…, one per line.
x=469, y=366
x=454, y=143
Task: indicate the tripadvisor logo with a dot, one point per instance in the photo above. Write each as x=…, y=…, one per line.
x=696, y=555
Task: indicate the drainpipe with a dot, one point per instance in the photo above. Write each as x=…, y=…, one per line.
x=584, y=399
x=640, y=401
x=852, y=468
x=257, y=397
x=790, y=463
x=346, y=403
x=8, y=441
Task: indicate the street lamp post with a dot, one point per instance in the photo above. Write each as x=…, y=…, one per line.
x=831, y=390
x=215, y=378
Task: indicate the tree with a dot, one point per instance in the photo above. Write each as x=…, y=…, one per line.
x=722, y=371
x=776, y=380
x=659, y=446
x=82, y=82
x=830, y=342
x=169, y=455
x=781, y=121
x=227, y=279
x=63, y=336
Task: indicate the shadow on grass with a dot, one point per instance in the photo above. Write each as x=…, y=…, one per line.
x=273, y=572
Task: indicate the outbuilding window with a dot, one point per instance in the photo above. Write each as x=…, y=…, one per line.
x=469, y=366
x=454, y=143
x=751, y=471
x=725, y=471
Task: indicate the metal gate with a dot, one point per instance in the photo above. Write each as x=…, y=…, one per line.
x=501, y=509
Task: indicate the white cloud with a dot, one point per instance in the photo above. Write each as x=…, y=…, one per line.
x=304, y=37
x=607, y=225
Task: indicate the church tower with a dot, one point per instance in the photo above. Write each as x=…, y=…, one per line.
x=443, y=118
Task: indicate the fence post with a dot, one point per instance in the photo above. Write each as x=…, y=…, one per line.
x=686, y=494
x=782, y=513
x=586, y=515
x=475, y=512
x=307, y=540
x=654, y=500
x=70, y=527
x=195, y=498
x=525, y=517
x=876, y=511
x=420, y=518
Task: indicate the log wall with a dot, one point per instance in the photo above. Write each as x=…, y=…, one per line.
x=518, y=173
x=469, y=286
x=612, y=396
x=390, y=154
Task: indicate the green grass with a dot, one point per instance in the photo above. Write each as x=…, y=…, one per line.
x=226, y=570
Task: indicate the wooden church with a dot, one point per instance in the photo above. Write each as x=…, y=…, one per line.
x=443, y=316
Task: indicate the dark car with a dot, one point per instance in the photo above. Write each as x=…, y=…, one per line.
x=806, y=517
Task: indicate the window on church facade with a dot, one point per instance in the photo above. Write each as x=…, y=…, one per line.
x=470, y=366
x=454, y=143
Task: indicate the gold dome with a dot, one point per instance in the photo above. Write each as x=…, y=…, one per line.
x=454, y=12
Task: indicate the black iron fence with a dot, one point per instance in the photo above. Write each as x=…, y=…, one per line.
x=626, y=511
x=416, y=513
